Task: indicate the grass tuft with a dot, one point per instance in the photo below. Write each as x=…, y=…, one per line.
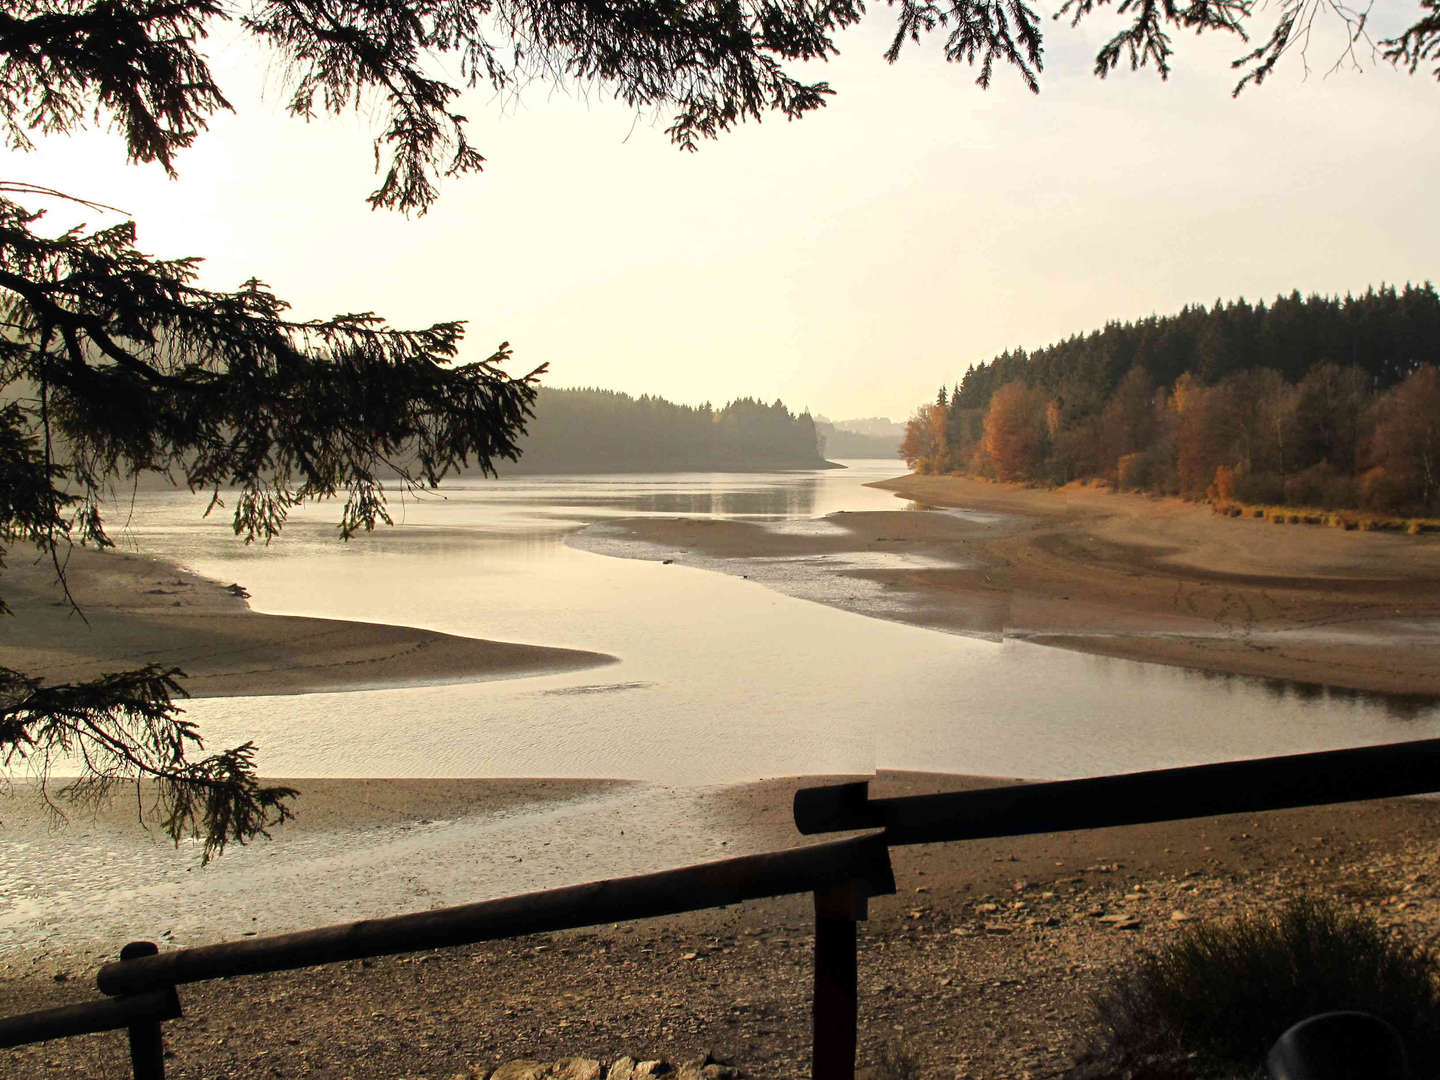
x=1213, y=1002
x=893, y=1062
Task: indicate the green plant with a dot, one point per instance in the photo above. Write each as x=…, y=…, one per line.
x=1213, y=1002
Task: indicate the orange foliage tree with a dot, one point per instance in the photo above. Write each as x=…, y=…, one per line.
x=1015, y=431
x=925, y=446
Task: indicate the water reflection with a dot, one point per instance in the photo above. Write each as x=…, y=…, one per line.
x=795, y=499
x=1397, y=706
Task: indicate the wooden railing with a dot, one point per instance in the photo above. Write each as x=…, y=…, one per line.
x=842, y=875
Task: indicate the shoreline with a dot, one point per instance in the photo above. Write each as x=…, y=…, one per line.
x=142, y=609
x=1102, y=571
x=1127, y=576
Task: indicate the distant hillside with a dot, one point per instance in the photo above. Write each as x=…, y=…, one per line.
x=880, y=426
x=846, y=439
x=592, y=430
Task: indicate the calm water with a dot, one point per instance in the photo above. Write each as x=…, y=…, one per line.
x=718, y=678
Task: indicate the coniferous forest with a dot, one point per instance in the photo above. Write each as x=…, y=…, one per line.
x=592, y=430
x=1316, y=401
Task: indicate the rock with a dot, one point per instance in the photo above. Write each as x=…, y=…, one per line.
x=1180, y=916
x=622, y=1068
x=706, y=1068
x=658, y=1067
x=522, y=1069
x=576, y=1068
x=1121, y=922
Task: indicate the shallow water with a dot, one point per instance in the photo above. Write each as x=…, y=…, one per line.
x=718, y=678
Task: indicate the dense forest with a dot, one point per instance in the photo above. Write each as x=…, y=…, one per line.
x=1314, y=401
x=591, y=430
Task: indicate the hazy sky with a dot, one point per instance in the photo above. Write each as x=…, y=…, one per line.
x=848, y=263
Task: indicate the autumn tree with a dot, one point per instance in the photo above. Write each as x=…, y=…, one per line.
x=925, y=446
x=1015, y=431
x=1128, y=422
x=1404, y=450
x=1329, y=413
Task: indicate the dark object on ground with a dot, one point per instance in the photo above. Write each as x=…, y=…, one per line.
x=1338, y=1046
x=1213, y=1002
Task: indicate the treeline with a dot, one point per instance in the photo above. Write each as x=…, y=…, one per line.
x=592, y=430
x=1315, y=402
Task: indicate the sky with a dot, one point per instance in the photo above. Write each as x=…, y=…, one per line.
x=848, y=263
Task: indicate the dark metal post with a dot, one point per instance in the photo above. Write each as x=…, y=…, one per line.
x=147, y=1044
x=837, y=1013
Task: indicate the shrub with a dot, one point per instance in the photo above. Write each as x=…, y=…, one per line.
x=1213, y=1002
x=1260, y=487
x=1223, y=490
x=893, y=1062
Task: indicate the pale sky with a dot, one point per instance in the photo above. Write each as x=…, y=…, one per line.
x=848, y=263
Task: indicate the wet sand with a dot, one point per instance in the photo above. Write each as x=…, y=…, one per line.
x=1150, y=579
x=136, y=610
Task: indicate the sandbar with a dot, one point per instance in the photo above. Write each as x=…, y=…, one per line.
x=135, y=610
x=1130, y=576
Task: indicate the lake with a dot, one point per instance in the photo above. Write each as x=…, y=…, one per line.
x=718, y=678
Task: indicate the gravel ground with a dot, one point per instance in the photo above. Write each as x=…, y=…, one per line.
x=981, y=966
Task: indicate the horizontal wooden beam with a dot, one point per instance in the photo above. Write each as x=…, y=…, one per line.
x=106, y=1014
x=1275, y=783
x=865, y=859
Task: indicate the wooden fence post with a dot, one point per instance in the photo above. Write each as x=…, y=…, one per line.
x=147, y=1043
x=837, y=1011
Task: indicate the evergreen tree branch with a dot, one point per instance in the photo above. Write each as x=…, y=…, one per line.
x=126, y=728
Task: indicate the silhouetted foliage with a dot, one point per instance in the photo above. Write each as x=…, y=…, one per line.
x=116, y=363
x=112, y=361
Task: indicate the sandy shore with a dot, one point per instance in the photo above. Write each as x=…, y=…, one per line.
x=1158, y=580
x=981, y=965
x=139, y=610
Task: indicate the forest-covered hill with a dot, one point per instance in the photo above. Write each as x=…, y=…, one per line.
x=592, y=430
x=1314, y=401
